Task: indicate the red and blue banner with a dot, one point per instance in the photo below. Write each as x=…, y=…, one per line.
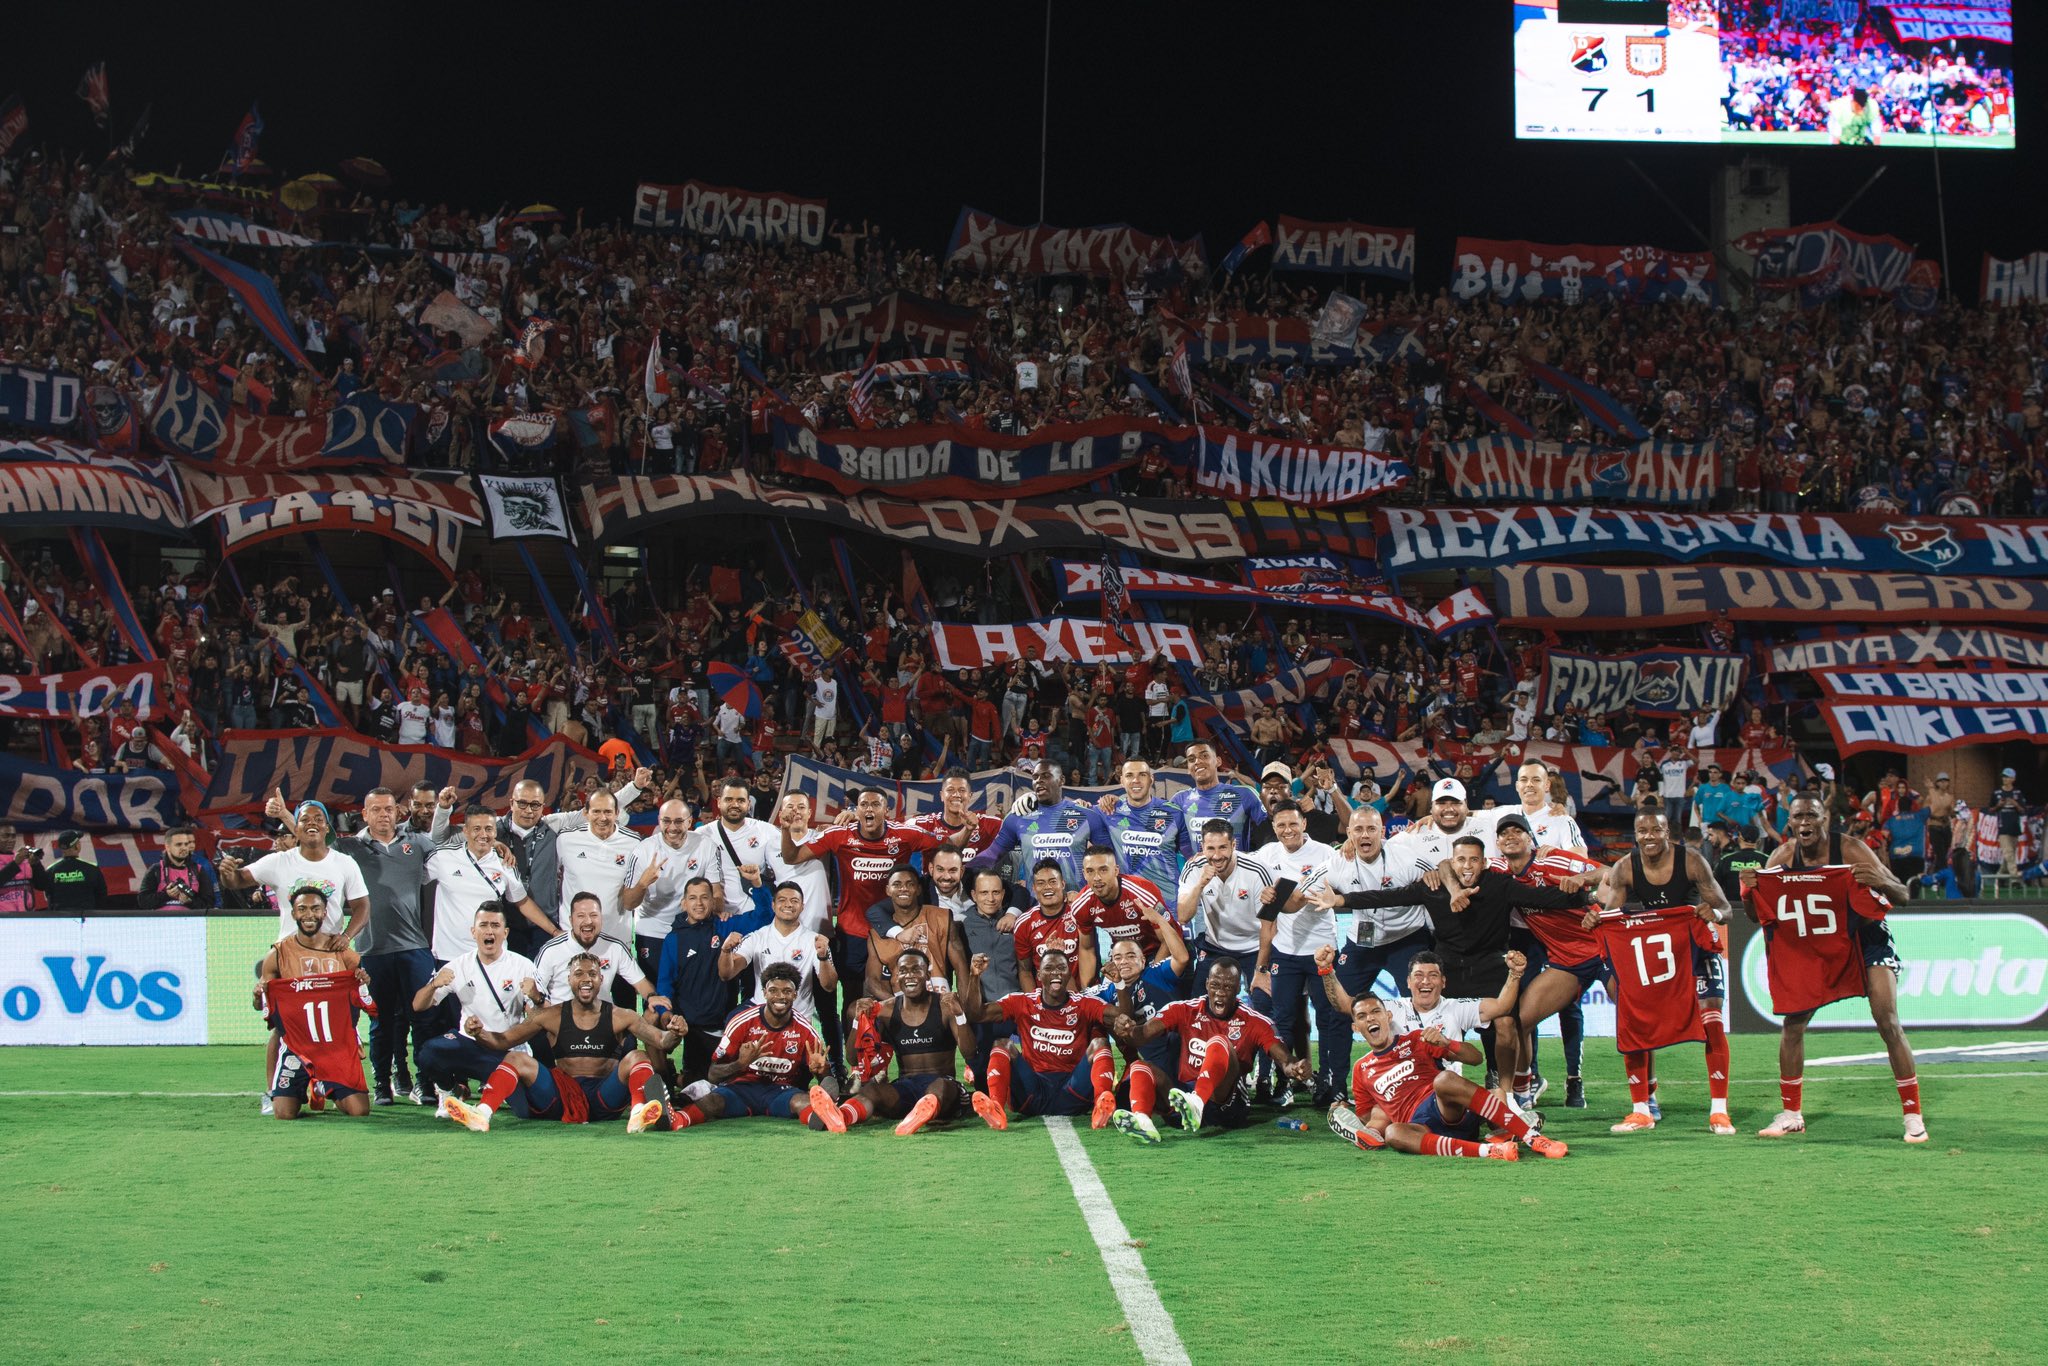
x=258, y=297
x=766, y=216
x=1564, y=597
x=2023, y=280
x=1917, y=727
x=1526, y=271
x=1311, y=574
x=1343, y=248
x=1117, y=251
x=1650, y=682
x=13, y=122
x=43, y=797
x=208, y=494
x=85, y=692
x=107, y=493
x=190, y=422
x=1509, y=469
x=45, y=400
x=897, y=325
x=337, y=766
x=101, y=570
x=432, y=532
x=230, y=230
x=1413, y=539
x=947, y=461
x=1606, y=412
x=1830, y=258
x=1906, y=646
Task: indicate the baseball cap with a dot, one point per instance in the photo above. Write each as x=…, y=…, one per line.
x=1447, y=787
x=1514, y=821
x=2008, y=773
x=1276, y=769
x=69, y=838
x=1941, y=777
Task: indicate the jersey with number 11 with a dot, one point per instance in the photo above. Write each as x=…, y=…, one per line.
x=317, y=1015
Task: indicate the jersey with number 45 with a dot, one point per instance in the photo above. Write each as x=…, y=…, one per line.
x=1811, y=947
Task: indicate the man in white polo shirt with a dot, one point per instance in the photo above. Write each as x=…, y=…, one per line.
x=597, y=861
x=468, y=875
x=661, y=866
x=744, y=842
x=1291, y=929
x=494, y=985
x=1449, y=819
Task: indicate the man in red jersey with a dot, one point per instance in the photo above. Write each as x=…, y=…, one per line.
x=1404, y=1098
x=864, y=853
x=1220, y=1036
x=1116, y=903
x=767, y=1064
x=1813, y=848
x=1059, y=1063
x=952, y=817
x=1052, y=923
x=1571, y=953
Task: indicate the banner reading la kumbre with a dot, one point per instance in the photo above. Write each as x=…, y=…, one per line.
x=1615, y=597
x=767, y=216
x=1472, y=538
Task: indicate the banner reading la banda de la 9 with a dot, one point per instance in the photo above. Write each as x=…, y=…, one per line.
x=1603, y=597
x=717, y=211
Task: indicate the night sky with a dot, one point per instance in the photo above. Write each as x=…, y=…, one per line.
x=1168, y=118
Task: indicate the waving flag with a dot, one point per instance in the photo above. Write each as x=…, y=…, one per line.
x=1462, y=609
x=1116, y=598
x=13, y=122
x=242, y=153
x=136, y=133
x=257, y=295
x=92, y=88
x=1259, y=236
x=861, y=402
x=1608, y=413
x=1183, y=377
x=1496, y=412
x=656, y=380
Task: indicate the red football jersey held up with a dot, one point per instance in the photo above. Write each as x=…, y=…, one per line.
x=1656, y=1003
x=1399, y=1077
x=1244, y=1033
x=1053, y=1037
x=1563, y=938
x=986, y=827
x=317, y=1015
x=1811, y=948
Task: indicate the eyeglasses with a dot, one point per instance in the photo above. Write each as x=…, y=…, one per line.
x=526, y=804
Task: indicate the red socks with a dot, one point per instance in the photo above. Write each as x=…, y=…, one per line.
x=1488, y=1106
x=688, y=1115
x=855, y=1110
x=1144, y=1091
x=1636, y=1063
x=1909, y=1095
x=1102, y=1072
x=1790, y=1087
x=1523, y=1081
x=1436, y=1145
x=1215, y=1066
x=1717, y=1063
x=501, y=1084
x=636, y=1080
x=999, y=1077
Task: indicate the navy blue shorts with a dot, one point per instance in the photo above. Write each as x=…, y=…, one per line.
x=910, y=1089
x=1037, y=1093
x=759, y=1098
x=1878, y=949
x=1588, y=972
x=1709, y=974
x=595, y=1100
x=1431, y=1117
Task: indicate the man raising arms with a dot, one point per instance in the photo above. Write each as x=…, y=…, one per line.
x=1813, y=846
x=1058, y=1064
x=589, y=1082
x=783, y=940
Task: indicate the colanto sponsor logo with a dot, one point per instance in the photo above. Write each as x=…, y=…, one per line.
x=1969, y=968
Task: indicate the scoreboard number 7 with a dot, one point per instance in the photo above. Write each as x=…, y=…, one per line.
x=1648, y=95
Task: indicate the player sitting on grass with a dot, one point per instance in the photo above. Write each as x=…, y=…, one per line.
x=927, y=1033
x=1413, y=1104
x=1150, y=988
x=589, y=1082
x=1058, y=1064
x=1219, y=1037
x=766, y=1064
x=312, y=992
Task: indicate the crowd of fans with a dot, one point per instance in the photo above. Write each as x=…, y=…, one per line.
x=1817, y=410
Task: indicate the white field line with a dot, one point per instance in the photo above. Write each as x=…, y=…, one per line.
x=1151, y=1326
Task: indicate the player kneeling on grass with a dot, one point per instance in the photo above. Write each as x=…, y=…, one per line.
x=589, y=1082
x=1407, y=1100
x=1058, y=1064
x=312, y=992
x=1220, y=1036
x=926, y=1032
x=767, y=1064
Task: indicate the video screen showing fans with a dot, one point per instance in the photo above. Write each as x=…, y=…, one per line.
x=1840, y=73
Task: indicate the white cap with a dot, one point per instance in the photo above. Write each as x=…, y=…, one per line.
x=1447, y=787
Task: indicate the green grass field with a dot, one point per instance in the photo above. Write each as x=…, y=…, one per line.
x=146, y=1228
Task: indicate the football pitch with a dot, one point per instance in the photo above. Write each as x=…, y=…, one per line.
x=169, y=1222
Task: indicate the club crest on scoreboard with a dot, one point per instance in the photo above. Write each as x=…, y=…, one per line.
x=1589, y=53
x=1644, y=56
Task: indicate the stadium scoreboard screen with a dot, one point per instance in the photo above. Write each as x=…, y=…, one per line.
x=1846, y=73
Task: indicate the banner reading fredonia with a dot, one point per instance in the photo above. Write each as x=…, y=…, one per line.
x=1619, y=598
x=1652, y=682
x=717, y=211
x=1062, y=640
